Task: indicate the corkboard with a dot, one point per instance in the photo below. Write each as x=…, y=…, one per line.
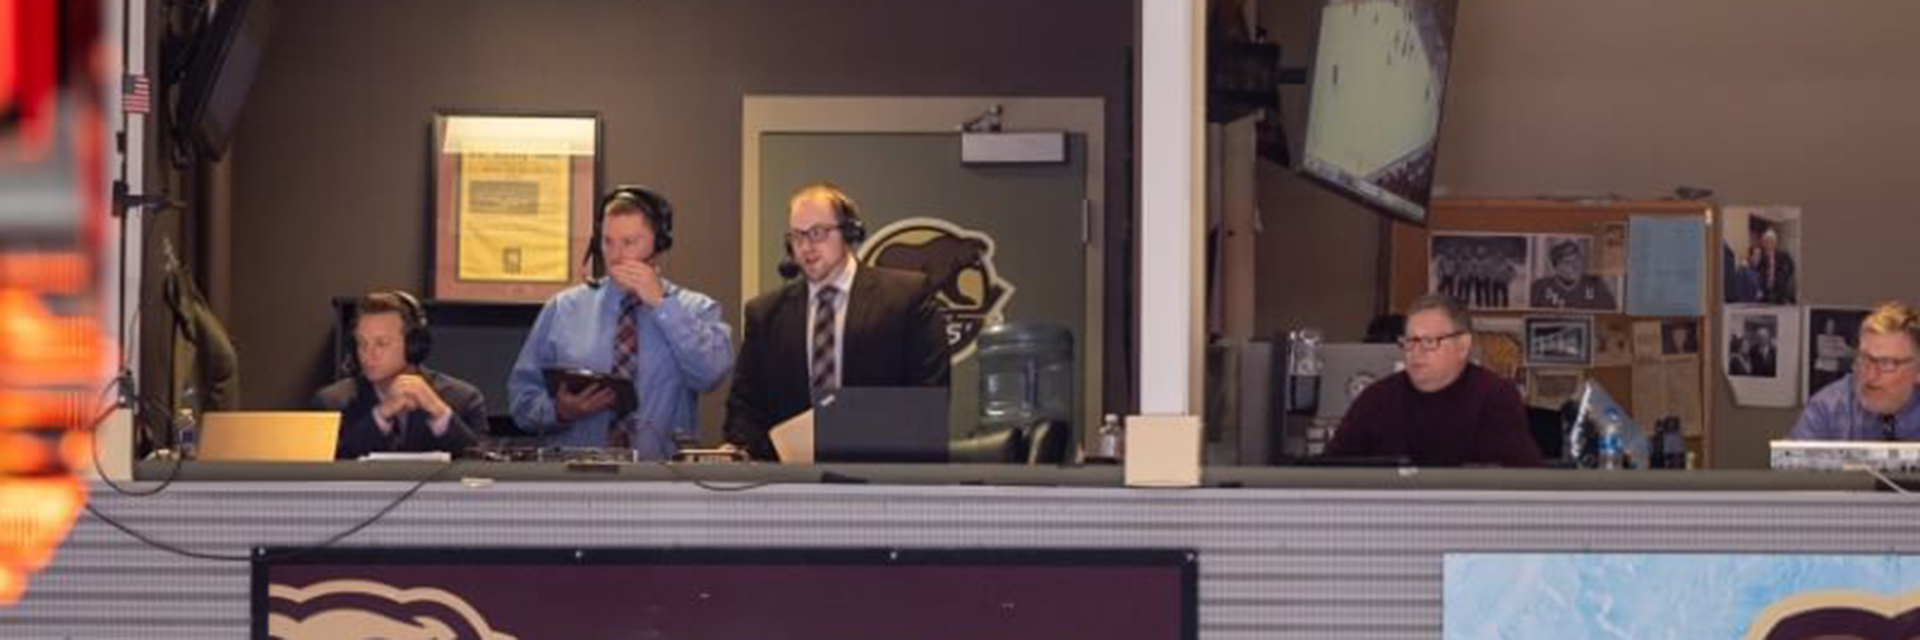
x=1408, y=264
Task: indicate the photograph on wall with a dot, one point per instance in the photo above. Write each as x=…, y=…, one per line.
x=1563, y=277
x=1612, y=341
x=1482, y=271
x=1760, y=252
x=1566, y=342
x=1833, y=337
x=1499, y=344
x=1679, y=337
x=1610, y=250
x=1762, y=357
x=1754, y=349
x=513, y=199
x=1550, y=387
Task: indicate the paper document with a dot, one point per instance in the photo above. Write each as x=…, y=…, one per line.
x=793, y=439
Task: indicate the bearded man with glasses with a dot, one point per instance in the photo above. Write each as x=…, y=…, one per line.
x=1876, y=401
x=1442, y=410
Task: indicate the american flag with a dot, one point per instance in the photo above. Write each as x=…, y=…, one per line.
x=136, y=94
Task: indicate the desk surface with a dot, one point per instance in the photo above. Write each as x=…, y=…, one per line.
x=1409, y=478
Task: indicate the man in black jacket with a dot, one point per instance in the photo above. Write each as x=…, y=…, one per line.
x=391, y=402
x=843, y=325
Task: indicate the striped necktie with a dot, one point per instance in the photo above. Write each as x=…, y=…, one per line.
x=823, y=366
x=626, y=364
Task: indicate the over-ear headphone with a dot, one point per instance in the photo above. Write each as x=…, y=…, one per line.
x=852, y=229
x=413, y=321
x=846, y=214
x=655, y=207
x=419, y=339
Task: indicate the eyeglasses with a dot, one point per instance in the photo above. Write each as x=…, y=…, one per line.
x=812, y=235
x=1878, y=364
x=1426, y=343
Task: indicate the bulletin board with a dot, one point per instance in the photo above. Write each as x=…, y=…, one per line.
x=1472, y=228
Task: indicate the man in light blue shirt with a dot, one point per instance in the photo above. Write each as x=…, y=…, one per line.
x=629, y=323
x=1877, y=400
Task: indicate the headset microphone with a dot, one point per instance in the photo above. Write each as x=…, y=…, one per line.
x=788, y=268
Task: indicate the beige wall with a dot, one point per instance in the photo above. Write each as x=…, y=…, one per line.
x=1765, y=101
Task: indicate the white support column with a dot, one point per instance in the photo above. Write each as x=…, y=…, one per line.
x=1172, y=138
x=128, y=31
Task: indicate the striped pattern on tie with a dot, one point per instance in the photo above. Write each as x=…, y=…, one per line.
x=626, y=364
x=823, y=368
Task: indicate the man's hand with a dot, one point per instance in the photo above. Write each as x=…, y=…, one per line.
x=570, y=405
x=391, y=410
x=422, y=397
x=640, y=278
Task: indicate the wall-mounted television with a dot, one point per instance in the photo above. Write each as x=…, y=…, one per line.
x=1373, y=114
x=226, y=54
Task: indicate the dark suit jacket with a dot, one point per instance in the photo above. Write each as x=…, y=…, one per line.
x=354, y=398
x=895, y=336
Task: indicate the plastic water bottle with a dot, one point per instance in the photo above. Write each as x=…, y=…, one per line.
x=1610, y=456
x=1111, y=447
x=1303, y=371
x=186, y=433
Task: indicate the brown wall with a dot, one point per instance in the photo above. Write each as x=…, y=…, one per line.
x=330, y=165
x=1317, y=264
x=1764, y=101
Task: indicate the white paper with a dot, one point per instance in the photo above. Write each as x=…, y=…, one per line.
x=793, y=439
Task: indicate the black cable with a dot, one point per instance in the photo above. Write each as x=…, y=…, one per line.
x=173, y=472
x=710, y=486
x=294, y=553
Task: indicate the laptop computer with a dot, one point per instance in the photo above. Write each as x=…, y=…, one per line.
x=1347, y=369
x=269, y=436
x=882, y=424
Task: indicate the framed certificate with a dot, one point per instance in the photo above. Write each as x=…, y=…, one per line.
x=513, y=198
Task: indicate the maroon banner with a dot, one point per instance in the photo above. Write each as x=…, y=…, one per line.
x=724, y=594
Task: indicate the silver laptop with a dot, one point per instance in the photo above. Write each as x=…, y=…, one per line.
x=1347, y=368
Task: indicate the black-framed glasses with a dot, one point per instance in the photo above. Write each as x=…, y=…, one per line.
x=813, y=234
x=1878, y=364
x=1426, y=343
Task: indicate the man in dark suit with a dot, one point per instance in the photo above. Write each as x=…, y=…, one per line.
x=843, y=325
x=391, y=402
x=1775, y=269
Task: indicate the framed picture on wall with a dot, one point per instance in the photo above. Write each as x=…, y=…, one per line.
x=1833, y=339
x=1559, y=342
x=513, y=198
x=1481, y=270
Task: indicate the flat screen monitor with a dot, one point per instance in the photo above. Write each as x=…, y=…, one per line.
x=1373, y=116
x=226, y=56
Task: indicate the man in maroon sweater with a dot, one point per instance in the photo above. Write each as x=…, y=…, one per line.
x=1441, y=411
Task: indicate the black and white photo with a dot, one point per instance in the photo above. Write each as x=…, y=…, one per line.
x=1761, y=349
x=1482, y=271
x=1754, y=350
x=1559, y=341
x=1833, y=338
x=1563, y=277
